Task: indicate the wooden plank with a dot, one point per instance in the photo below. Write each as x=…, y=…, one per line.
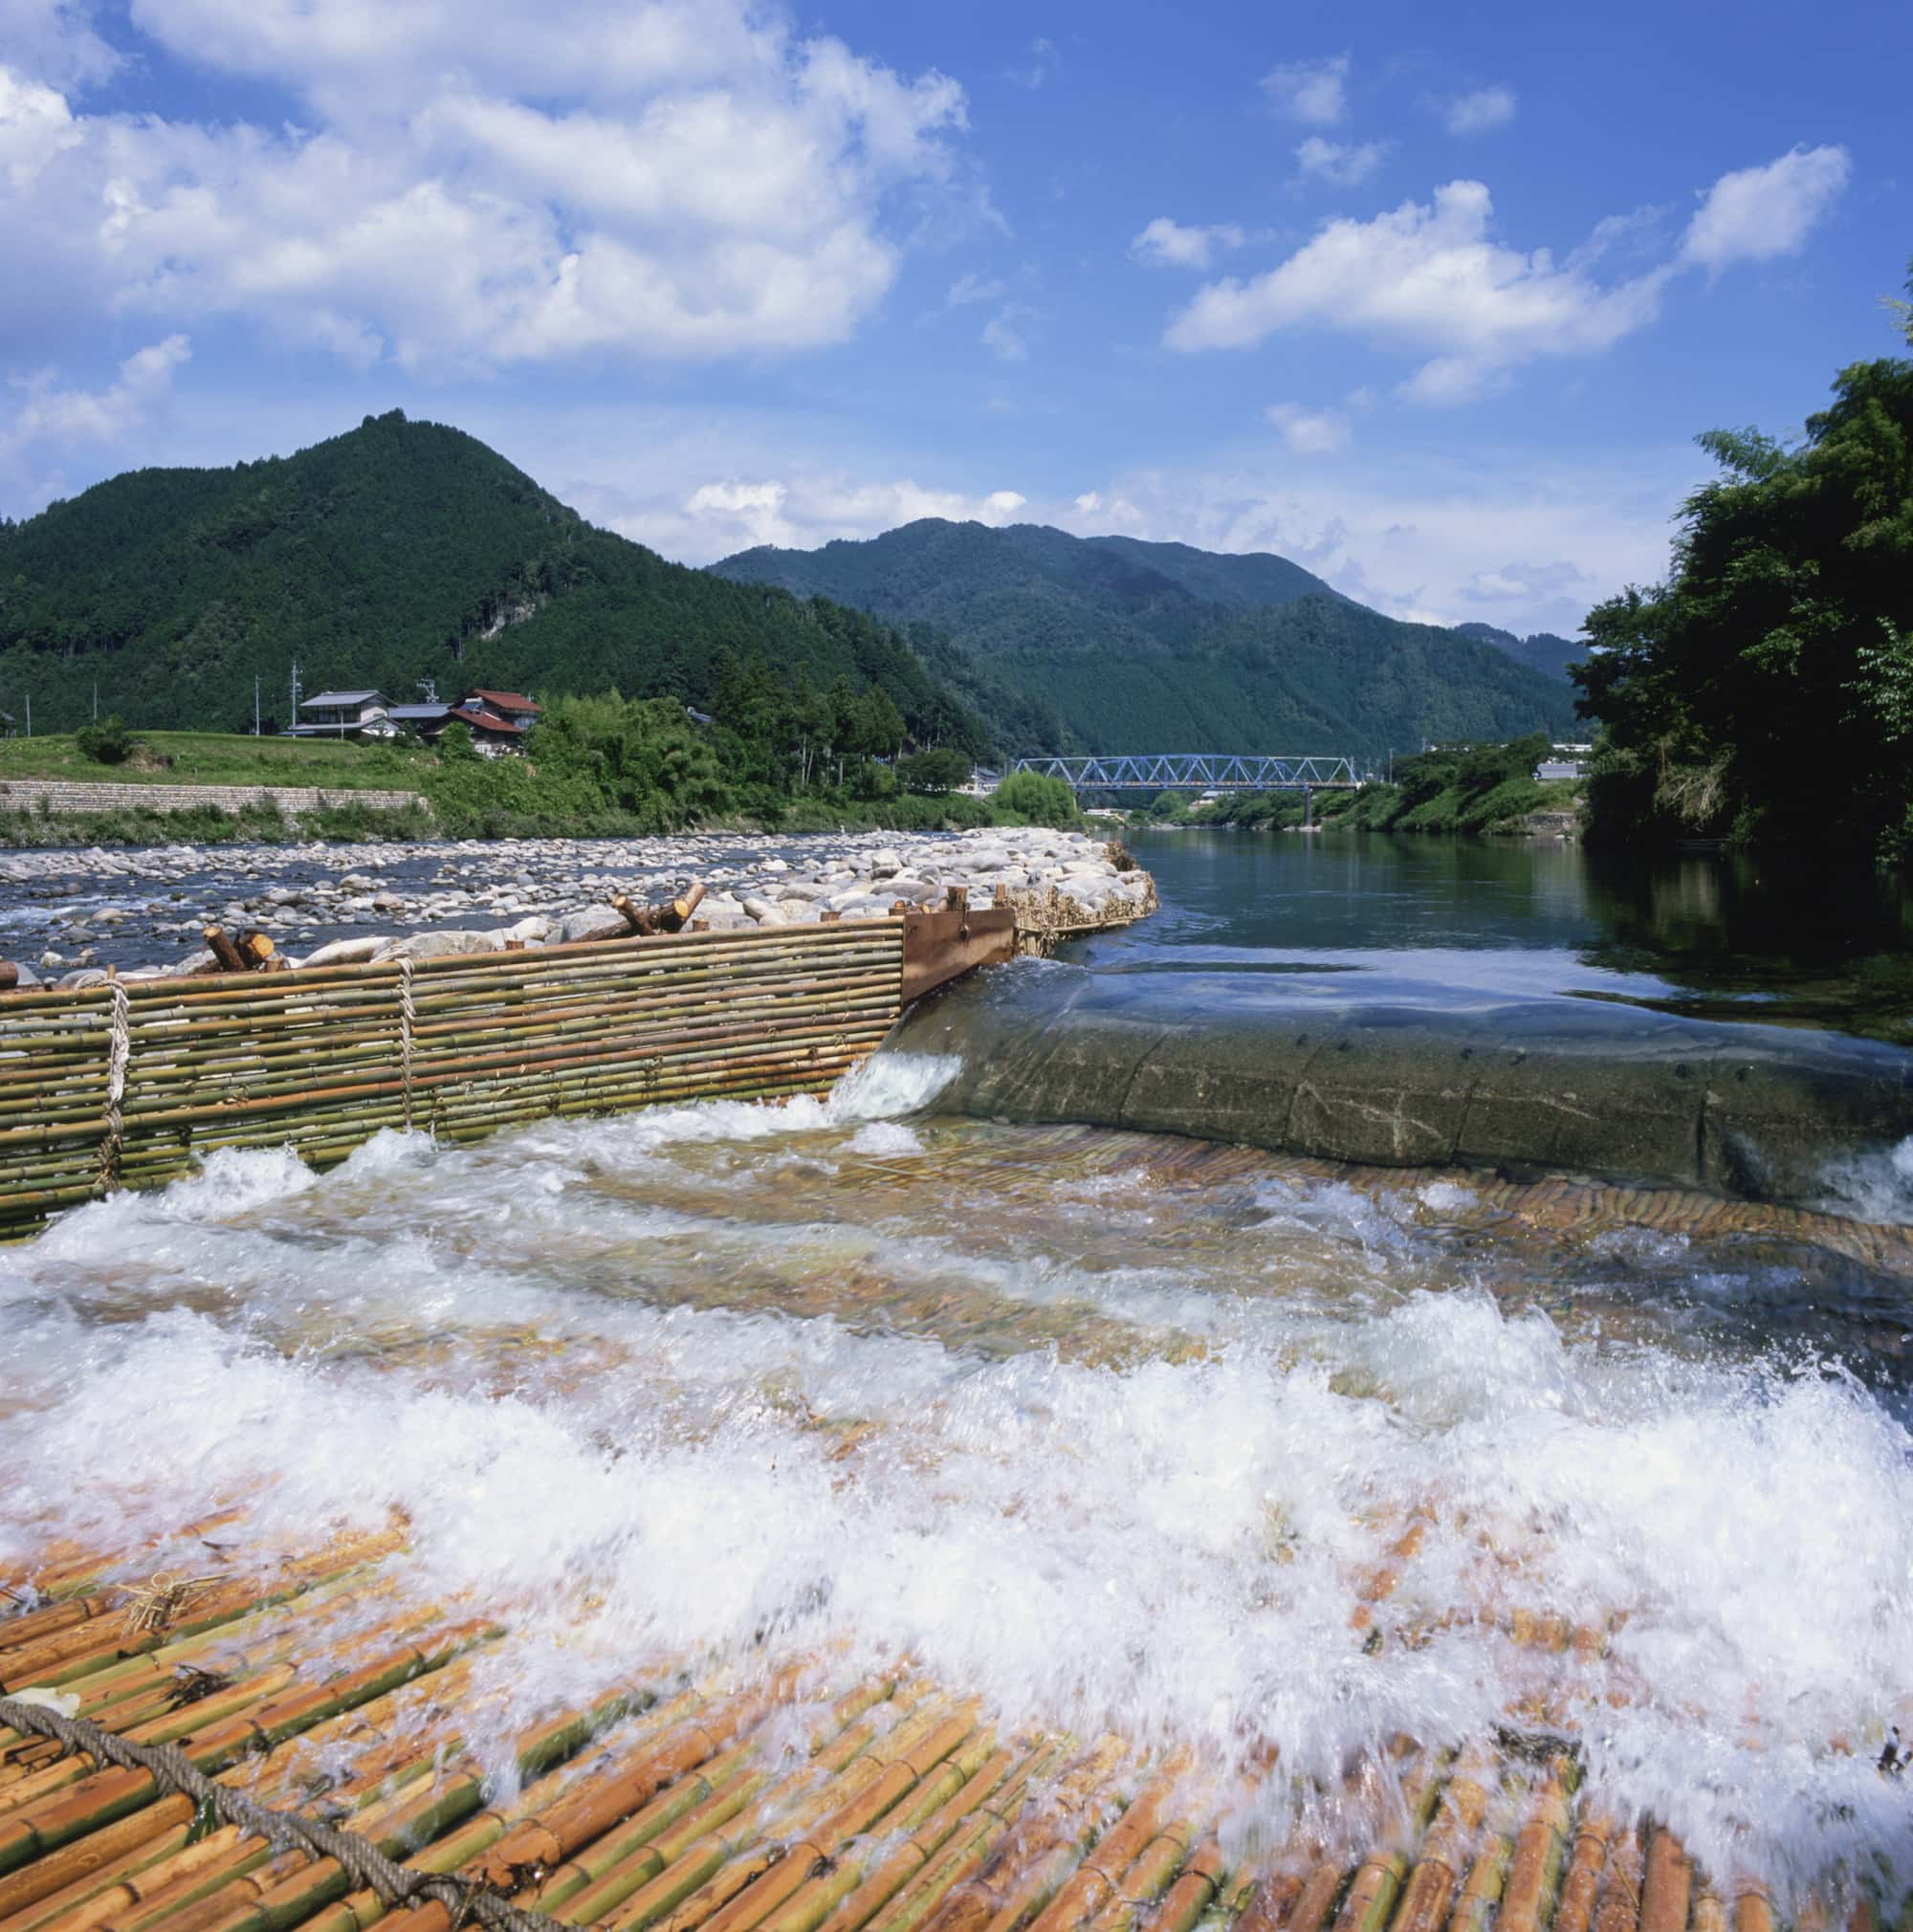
x=939, y=946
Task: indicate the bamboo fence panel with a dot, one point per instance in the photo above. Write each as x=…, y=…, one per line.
x=131, y=1083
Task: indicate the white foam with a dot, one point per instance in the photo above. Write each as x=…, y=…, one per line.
x=1174, y=1547
x=1874, y=1187
x=885, y=1137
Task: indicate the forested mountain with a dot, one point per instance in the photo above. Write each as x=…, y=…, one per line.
x=1542, y=650
x=397, y=551
x=1157, y=647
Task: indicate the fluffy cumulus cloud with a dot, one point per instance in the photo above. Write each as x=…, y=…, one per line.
x=1166, y=244
x=1758, y=213
x=1309, y=433
x=1477, y=113
x=717, y=519
x=1312, y=91
x=499, y=183
x=1429, y=278
x=1345, y=162
x=46, y=413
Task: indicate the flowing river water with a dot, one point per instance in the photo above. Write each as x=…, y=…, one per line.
x=1209, y=1446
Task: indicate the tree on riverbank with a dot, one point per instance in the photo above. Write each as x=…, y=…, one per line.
x=1764, y=691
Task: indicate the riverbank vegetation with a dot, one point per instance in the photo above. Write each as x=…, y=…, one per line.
x=607, y=766
x=1458, y=788
x=1764, y=691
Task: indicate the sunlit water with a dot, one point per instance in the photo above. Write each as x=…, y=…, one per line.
x=1195, y=1443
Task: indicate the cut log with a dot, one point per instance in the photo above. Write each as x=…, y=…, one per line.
x=640, y=919
x=258, y=947
x=231, y=958
x=10, y=976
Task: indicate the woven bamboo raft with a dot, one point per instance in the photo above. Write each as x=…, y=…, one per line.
x=129, y=1083
x=782, y=1799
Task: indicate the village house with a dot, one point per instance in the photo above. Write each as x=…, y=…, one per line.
x=496, y=719
x=344, y=714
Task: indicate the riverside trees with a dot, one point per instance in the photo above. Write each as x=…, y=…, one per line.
x=1764, y=691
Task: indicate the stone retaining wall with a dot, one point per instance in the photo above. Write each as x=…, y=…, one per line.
x=75, y=795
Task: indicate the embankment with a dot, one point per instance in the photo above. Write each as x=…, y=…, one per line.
x=1399, y=1073
x=66, y=797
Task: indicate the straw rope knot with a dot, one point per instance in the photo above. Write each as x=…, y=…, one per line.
x=408, y=1019
x=120, y=1050
x=362, y=1862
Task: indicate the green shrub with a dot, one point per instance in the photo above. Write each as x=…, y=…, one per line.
x=106, y=745
x=1035, y=798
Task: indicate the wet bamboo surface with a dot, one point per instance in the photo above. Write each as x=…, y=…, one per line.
x=785, y=1797
x=128, y=1084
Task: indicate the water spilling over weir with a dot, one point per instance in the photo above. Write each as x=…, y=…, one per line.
x=860, y=1513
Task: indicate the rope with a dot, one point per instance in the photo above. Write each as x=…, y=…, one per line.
x=359, y=1858
x=407, y=1019
x=117, y=1053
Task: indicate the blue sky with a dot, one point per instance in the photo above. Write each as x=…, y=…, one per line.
x=1431, y=301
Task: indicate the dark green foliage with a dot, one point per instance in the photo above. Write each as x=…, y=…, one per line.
x=1765, y=691
x=1103, y=644
x=106, y=745
x=937, y=771
x=396, y=552
x=1454, y=788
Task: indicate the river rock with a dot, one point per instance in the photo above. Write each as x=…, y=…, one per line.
x=345, y=952
x=437, y=945
x=594, y=922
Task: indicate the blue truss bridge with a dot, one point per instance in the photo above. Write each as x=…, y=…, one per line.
x=1194, y=771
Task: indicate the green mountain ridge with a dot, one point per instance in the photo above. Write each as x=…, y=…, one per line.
x=396, y=552
x=1158, y=647
x=1544, y=650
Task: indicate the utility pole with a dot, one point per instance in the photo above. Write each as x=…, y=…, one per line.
x=30, y=713
x=255, y=704
x=96, y=700
x=296, y=694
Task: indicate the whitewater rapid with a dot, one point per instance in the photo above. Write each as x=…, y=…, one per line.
x=1109, y=1446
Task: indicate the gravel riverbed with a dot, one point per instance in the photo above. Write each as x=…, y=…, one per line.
x=66, y=916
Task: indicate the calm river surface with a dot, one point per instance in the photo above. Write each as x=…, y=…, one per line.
x=1795, y=941
x=1113, y=1430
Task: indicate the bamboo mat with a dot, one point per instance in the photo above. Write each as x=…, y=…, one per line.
x=775, y=1799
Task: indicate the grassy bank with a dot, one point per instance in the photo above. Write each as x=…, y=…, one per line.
x=560, y=797
x=219, y=758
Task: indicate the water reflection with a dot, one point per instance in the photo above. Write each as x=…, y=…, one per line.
x=1721, y=935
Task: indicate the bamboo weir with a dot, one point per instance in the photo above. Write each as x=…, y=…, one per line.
x=784, y=1797
x=130, y=1081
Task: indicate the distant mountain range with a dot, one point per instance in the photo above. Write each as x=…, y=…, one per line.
x=1127, y=646
x=1541, y=650
x=396, y=552
x=402, y=551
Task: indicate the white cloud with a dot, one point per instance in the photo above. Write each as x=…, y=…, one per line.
x=1166, y=244
x=1088, y=503
x=1343, y=163
x=1478, y=113
x=1426, y=540
x=1312, y=91
x=683, y=179
x=972, y=288
x=1430, y=279
x=1528, y=584
x=1008, y=333
x=48, y=414
x=1038, y=68
x=54, y=41
x=717, y=519
x=1317, y=432
x=1758, y=213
